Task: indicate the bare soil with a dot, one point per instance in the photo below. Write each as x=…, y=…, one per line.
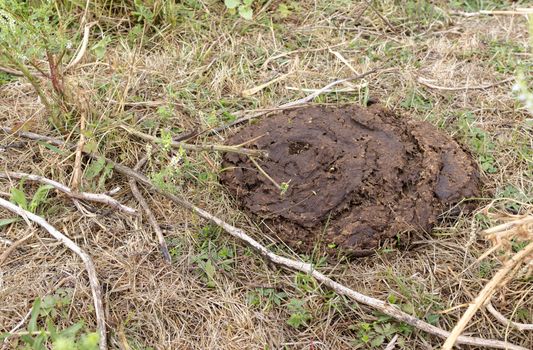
x=357, y=176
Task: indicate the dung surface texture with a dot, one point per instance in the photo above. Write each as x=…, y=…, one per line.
x=357, y=176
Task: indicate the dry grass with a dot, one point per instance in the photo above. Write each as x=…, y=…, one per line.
x=198, y=68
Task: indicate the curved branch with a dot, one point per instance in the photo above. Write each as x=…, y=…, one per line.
x=89, y=265
x=93, y=197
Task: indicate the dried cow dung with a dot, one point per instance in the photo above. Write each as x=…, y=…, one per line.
x=357, y=176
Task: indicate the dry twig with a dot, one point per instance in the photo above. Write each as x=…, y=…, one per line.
x=151, y=217
x=299, y=102
x=14, y=246
x=486, y=294
x=291, y=264
x=93, y=197
x=89, y=265
x=503, y=320
x=82, y=48
x=427, y=83
x=177, y=144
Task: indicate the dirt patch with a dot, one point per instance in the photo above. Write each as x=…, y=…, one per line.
x=357, y=176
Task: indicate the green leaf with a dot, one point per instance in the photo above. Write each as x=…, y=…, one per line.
x=231, y=4
x=209, y=269
x=5, y=222
x=89, y=341
x=35, y=310
x=39, y=197
x=246, y=12
x=52, y=148
x=94, y=169
x=377, y=341
x=100, y=47
x=71, y=331
x=247, y=2
x=284, y=11
x=105, y=175
x=18, y=197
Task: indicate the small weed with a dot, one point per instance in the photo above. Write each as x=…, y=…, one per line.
x=513, y=193
x=100, y=169
x=299, y=315
x=417, y=102
x=479, y=140
x=211, y=258
x=375, y=334
x=266, y=298
x=243, y=7
x=18, y=197
x=43, y=332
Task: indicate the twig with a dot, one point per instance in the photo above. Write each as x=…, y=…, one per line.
x=177, y=144
x=503, y=320
x=518, y=11
x=151, y=218
x=486, y=293
x=508, y=225
x=89, y=265
x=82, y=48
x=256, y=89
x=11, y=248
x=343, y=60
x=292, y=104
x=385, y=20
x=93, y=197
x=377, y=304
x=426, y=82
x=265, y=174
x=390, y=345
x=11, y=71
x=77, y=173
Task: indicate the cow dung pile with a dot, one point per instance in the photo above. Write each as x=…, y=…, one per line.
x=356, y=176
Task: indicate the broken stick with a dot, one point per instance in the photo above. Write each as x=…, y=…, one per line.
x=89, y=265
x=94, y=197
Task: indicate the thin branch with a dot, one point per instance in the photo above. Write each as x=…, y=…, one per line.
x=177, y=144
x=14, y=246
x=503, y=320
x=89, y=265
x=93, y=197
x=11, y=71
x=151, y=217
x=427, y=83
x=518, y=11
x=486, y=293
x=265, y=174
x=82, y=48
x=299, y=102
x=77, y=173
x=388, y=309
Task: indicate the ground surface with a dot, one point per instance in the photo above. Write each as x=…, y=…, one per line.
x=356, y=176
x=186, y=71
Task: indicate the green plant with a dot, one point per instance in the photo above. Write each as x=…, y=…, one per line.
x=43, y=332
x=299, y=315
x=265, y=297
x=18, y=196
x=212, y=257
x=33, y=32
x=375, y=334
x=243, y=7
x=101, y=169
x=479, y=140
